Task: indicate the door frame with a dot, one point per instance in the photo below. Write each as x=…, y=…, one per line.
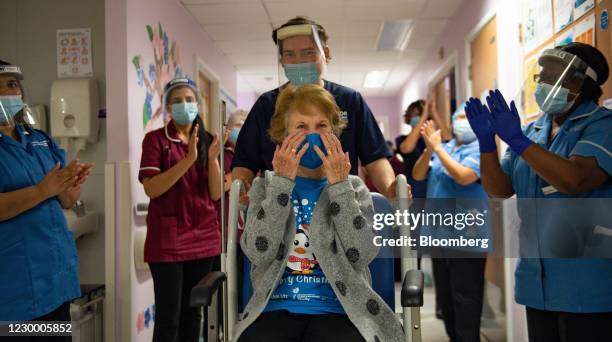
x=202, y=67
x=468, y=51
x=443, y=70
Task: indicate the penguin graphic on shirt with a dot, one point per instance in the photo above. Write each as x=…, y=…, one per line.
x=301, y=260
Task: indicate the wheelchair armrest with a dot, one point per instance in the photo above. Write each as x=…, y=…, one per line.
x=412, y=289
x=201, y=294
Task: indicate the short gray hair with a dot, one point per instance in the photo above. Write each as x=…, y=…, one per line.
x=239, y=115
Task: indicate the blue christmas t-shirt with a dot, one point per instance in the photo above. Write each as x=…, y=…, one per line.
x=304, y=288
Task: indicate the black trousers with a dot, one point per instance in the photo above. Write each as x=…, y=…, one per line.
x=175, y=320
x=62, y=313
x=459, y=284
x=283, y=326
x=554, y=326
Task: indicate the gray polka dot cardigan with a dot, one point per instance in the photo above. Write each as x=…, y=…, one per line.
x=341, y=238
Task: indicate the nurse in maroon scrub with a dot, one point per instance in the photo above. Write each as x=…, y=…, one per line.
x=180, y=173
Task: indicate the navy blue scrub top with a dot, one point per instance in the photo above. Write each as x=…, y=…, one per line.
x=419, y=188
x=38, y=257
x=361, y=138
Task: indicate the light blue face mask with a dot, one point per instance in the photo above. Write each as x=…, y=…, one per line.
x=414, y=121
x=10, y=105
x=300, y=74
x=556, y=103
x=184, y=113
x=463, y=132
x=233, y=135
x=311, y=159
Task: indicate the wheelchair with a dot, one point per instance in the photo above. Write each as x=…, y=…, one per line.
x=226, y=282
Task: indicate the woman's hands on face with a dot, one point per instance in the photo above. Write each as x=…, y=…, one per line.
x=336, y=164
x=431, y=136
x=287, y=156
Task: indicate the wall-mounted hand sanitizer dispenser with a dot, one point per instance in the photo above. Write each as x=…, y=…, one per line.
x=73, y=113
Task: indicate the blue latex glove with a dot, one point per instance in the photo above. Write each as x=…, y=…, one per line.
x=507, y=123
x=478, y=116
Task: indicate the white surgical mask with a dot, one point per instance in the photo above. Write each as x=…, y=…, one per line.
x=463, y=132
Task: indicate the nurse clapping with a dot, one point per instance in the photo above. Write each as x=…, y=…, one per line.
x=38, y=258
x=180, y=173
x=559, y=168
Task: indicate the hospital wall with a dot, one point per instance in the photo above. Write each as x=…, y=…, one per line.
x=454, y=44
x=387, y=113
x=129, y=109
x=28, y=39
x=468, y=19
x=245, y=95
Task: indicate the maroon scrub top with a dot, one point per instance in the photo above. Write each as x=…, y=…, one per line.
x=182, y=224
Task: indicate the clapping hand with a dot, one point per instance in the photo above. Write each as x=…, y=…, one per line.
x=507, y=123
x=479, y=117
x=431, y=136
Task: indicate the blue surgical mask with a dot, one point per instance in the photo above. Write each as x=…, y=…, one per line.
x=11, y=105
x=184, y=113
x=311, y=159
x=463, y=132
x=233, y=135
x=300, y=74
x=414, y=121
x=556, y=103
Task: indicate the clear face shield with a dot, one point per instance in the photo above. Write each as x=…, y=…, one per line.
x=554, y=83
x=13, y=109
x=301, y=54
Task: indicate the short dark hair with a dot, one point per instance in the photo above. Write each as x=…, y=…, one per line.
x=418, y=104
x=300, y=20
x=591, y=90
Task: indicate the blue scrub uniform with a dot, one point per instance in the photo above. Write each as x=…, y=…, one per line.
x=553, y=284
x=361, y=138
x=445, y=195
x=38, y=258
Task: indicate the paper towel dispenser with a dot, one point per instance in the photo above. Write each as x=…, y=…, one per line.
x=73, y=113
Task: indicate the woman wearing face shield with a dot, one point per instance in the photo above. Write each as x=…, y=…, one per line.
x=38, y=257
x=452, y=171
x=180, y=173
x=563, y=157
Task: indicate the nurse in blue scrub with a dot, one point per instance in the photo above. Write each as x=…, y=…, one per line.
x=38, y=258
x=563, y=157
x=452, y=172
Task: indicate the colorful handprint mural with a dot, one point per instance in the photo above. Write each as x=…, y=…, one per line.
x=165, y=67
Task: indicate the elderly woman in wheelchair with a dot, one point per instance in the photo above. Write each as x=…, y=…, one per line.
x=309, y=235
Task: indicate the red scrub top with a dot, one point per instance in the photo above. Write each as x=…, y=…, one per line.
x=182, y=224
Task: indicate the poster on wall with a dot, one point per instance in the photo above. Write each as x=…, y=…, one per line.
x=581, y=7
x=564, y=13
x=152, y=76
x=565, y=38
x=538, y=22
x=74, y=53
x=584, y=31
x=530, y=107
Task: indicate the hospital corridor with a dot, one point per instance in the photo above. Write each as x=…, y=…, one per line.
x=305, y=171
